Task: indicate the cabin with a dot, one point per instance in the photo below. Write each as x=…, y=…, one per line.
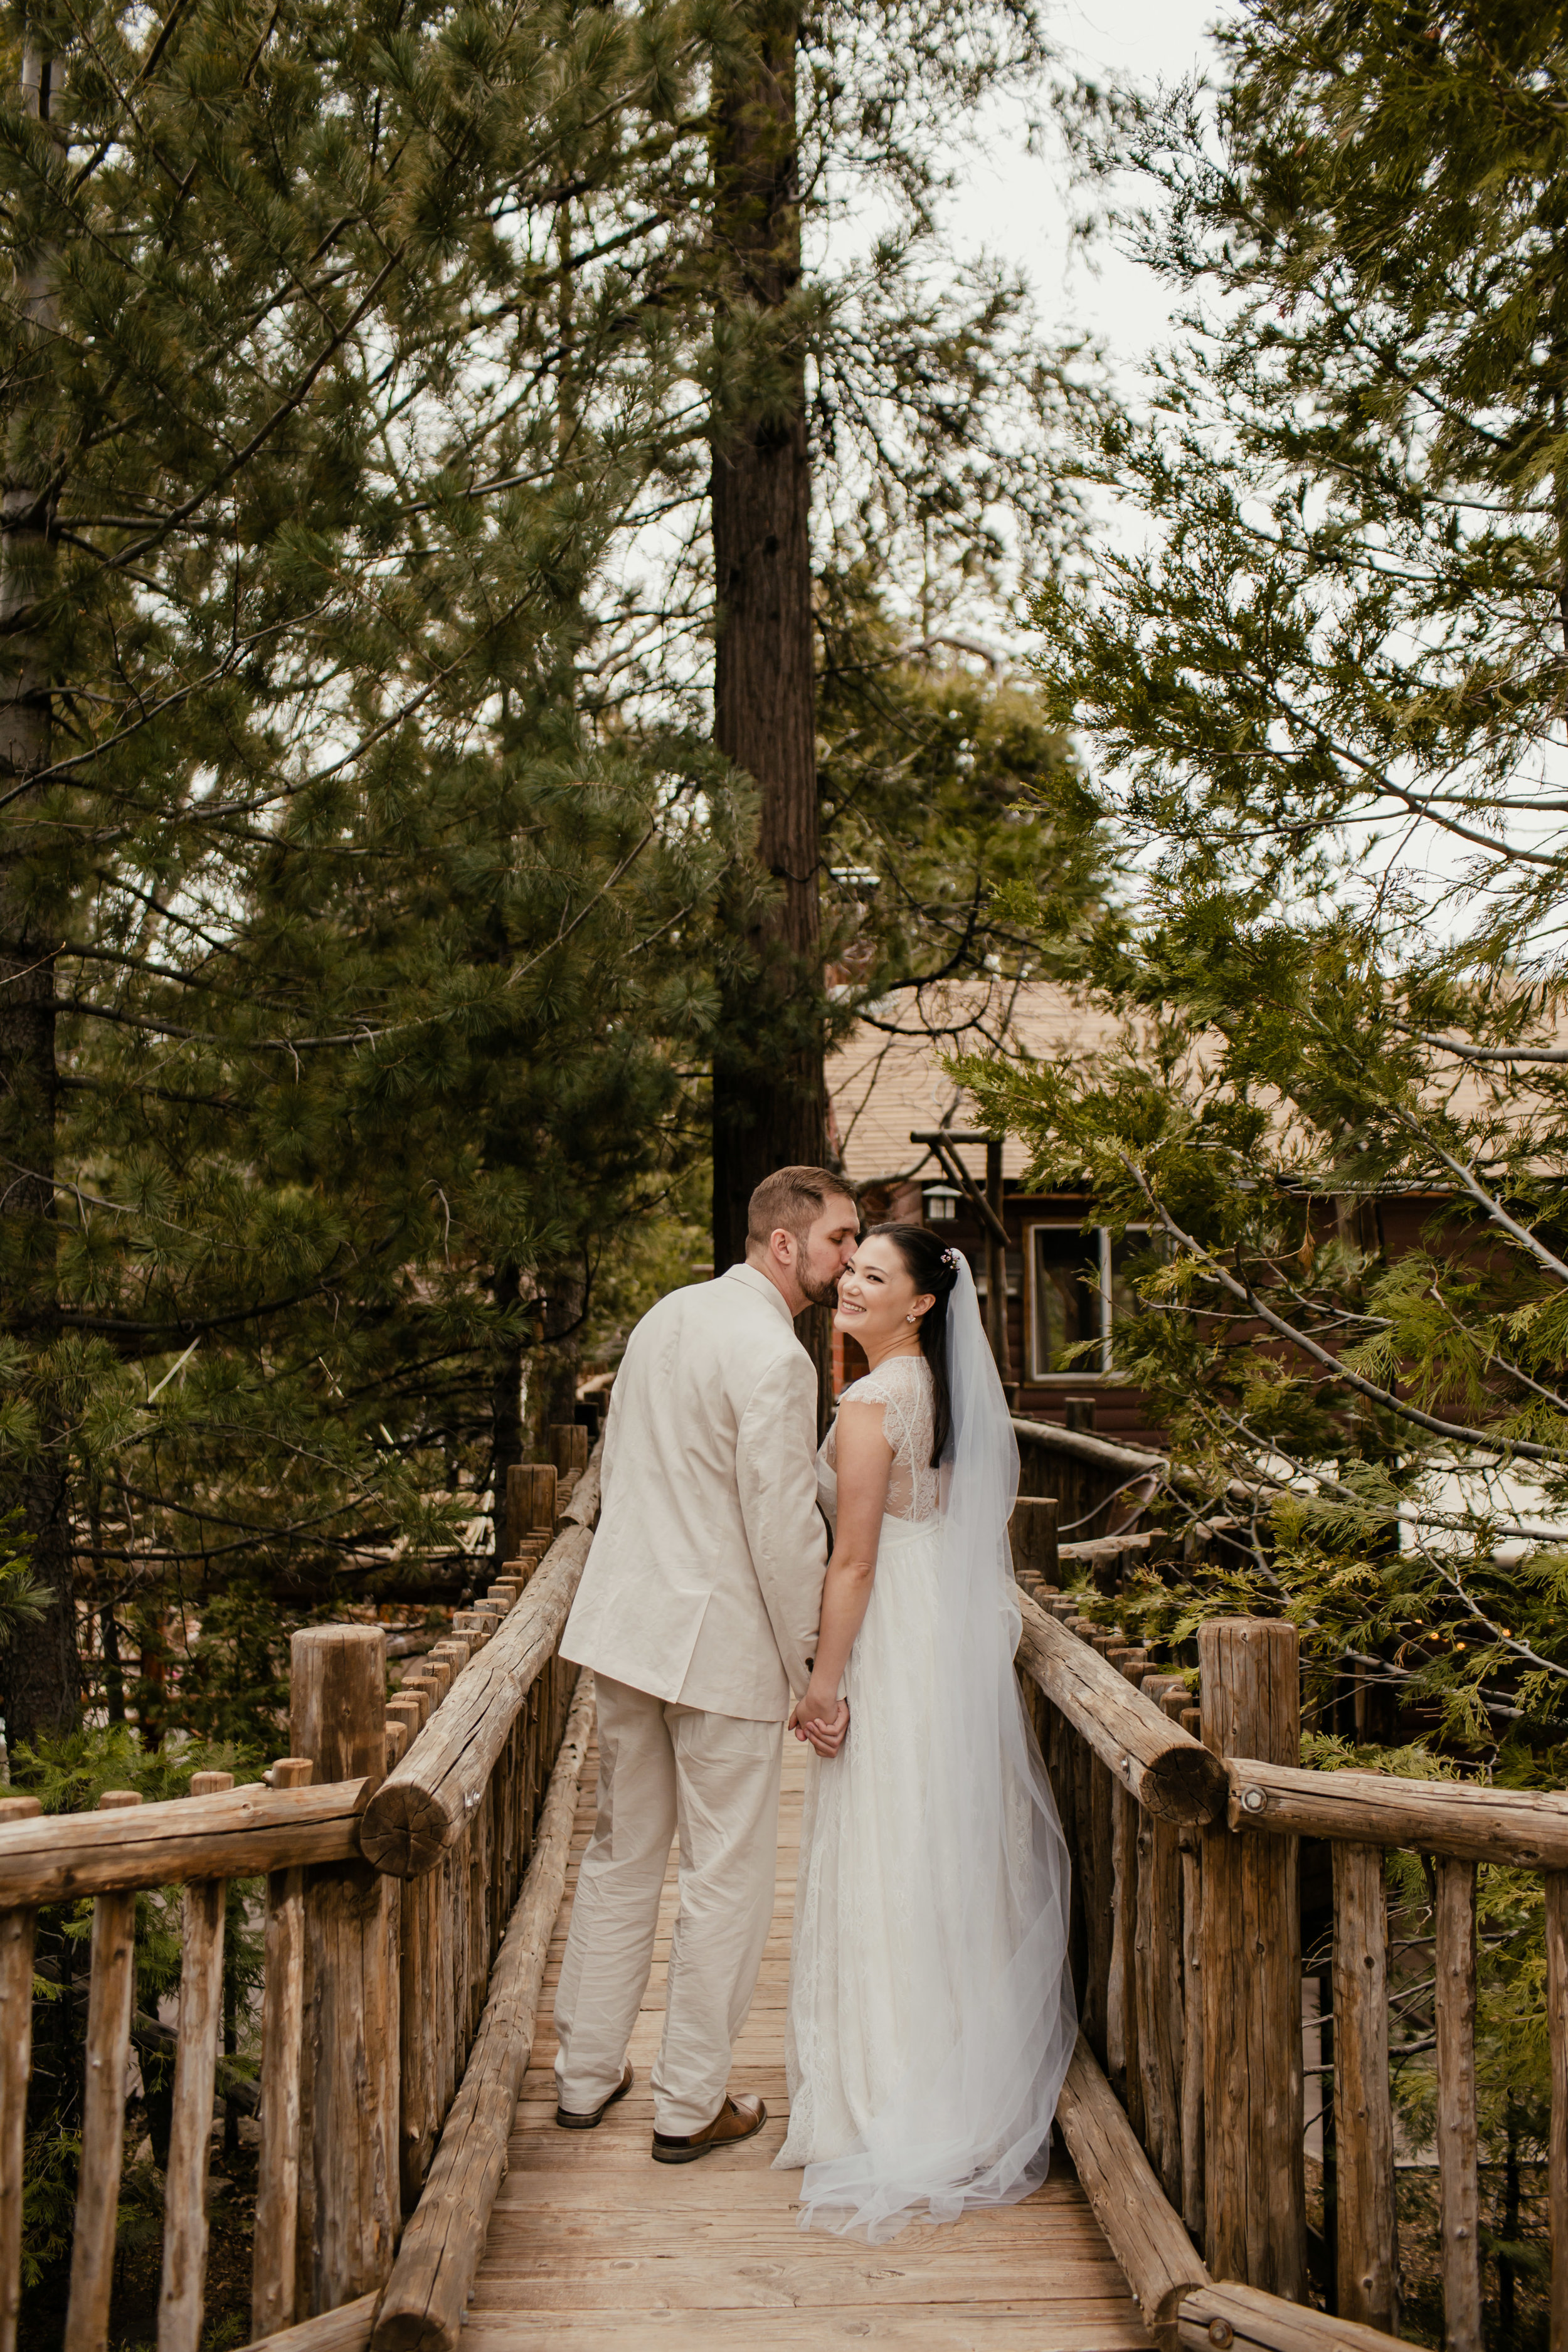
x=892, y=1110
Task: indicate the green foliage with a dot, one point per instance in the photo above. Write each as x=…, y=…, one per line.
x=935, y=771
x=1317, y=675
x=68, y=1774
x=22, y=1598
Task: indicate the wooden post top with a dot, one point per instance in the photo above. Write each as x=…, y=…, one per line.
x=1251, y=1687
x=337, y=1699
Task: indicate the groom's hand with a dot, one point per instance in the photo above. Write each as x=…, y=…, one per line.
x=821, y=1717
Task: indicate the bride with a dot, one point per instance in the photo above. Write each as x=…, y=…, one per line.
x=931, y=2013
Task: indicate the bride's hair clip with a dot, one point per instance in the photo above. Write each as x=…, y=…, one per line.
x=949, y=1257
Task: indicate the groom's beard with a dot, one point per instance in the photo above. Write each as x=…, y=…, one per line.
x=821, y=1293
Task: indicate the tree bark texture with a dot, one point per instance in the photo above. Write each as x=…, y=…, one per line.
x=40, y=1665
x=506, y=1409
x=769, y=1103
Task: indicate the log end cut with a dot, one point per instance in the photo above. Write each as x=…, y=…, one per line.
x=1186, y=1783
x=407, y=2330
x=405, y=1829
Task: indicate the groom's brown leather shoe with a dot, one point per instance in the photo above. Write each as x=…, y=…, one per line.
x=570, y=2122
x=736, y=2120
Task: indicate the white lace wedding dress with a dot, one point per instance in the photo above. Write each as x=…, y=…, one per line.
x=925, y=2046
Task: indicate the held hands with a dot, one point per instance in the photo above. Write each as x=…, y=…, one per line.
x=821, y=1717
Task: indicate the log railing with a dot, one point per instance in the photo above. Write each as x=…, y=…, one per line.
x=379, y=1946
x=1184, y=2110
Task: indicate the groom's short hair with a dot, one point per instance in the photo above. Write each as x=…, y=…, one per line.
x=793, y=1197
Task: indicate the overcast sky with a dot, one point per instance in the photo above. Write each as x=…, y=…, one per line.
x=1011, y=204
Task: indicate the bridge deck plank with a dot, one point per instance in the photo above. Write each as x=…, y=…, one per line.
x=593, y=2248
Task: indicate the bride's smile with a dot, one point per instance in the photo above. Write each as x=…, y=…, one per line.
x=878, y=1302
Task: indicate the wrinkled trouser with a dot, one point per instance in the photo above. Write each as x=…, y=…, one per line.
x=714, y=1779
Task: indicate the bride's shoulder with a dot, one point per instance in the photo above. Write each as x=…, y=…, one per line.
x=897, y=1381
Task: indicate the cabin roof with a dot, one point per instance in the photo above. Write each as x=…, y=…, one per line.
x=887, y=1078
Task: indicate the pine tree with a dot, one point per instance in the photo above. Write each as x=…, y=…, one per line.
x=298, y=832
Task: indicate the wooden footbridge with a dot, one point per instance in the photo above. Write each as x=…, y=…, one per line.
x=419, y=1852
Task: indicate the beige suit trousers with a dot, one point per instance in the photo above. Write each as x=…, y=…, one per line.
x=664, y=1768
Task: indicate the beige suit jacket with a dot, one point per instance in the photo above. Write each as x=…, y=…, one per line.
x=704, y=1583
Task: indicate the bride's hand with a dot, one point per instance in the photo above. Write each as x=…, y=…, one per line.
x=823, y=1717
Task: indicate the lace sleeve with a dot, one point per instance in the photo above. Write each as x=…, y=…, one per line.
x=902, y=1388
x=875, y=1388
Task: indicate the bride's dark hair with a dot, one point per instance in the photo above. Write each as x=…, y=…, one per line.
x=932, y=1267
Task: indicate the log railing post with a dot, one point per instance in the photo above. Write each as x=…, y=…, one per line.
x=273, y=2289
x=349, y=2200
x=1255, y=2186
x=1159, y=1988
x=1557, y=2141
x=1037, y=1556
x=109, y=1992
x=1458, y=2139
x=568, y=1448
x=17, y=1926
x=182, y=2294
x=1365, y=2216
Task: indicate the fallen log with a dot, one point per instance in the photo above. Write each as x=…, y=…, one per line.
x=426, y=2297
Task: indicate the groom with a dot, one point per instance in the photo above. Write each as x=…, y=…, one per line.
x=698, y=1613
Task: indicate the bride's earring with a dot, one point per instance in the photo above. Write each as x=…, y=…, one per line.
x=912, y=1318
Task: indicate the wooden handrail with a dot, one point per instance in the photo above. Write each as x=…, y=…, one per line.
x=1169, y=1772
x=1174, y=2292
x=1155, y=2255
x=58, y=1858
x=421, y=1808
x=427, y=2298
x=1526, y=1827
x=1079, y=1442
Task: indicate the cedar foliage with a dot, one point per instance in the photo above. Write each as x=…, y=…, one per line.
x=1320, y=676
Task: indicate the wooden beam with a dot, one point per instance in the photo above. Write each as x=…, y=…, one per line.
x=349, y=2209
x=181, y=2293
x=1525, y=1827
x=424, y=1807
x=63, y=1857
x=273, y=2275
x=113, y=1981
x=17, y=1926
x=427, y=2298
x=1152, y=1759
x=347, y=2329
x=1154, y=2253
x=1460, y=2226
x=1363, y=2110
x=1032, y=1531
x=1227, y=2318
x=1104, y=1451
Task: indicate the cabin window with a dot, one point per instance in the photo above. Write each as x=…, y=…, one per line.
x=1076, y=1287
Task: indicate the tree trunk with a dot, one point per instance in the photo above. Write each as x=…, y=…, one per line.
x=40, y=1666
x=506, y=1409
x=769, y=1104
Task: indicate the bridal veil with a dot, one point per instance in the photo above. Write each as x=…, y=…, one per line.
x=989, y=1993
